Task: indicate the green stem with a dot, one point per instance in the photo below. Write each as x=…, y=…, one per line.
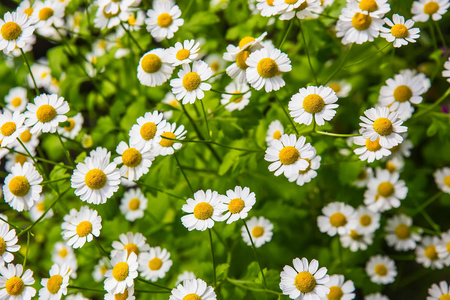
x=26, y=251
x=286, y=113
x=97, y=243
x=158, y=190
x=10, y=224
x=307, y=51
x=364, y=59
x=184, y=174
x=337, y=134
x=341, y=65
x=213, y=256
x=218, y=73
x=85, y=289
x=132, y=37
x=430, y=108
x=31, y=73
x=239, y=284
x=256, y=254
x=154, y=284
x=65, y=150
x=286, y=33
x=32, y=158
x=226, y=93
x=441, y=36
x=213, y=143
x=426, y=203
x=206, y=120
x=54, y=180
x=433, y=34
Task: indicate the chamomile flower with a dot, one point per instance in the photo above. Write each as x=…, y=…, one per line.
x=311, y=171
x=267, y=8
x=370, y=150
x=128, y=294
x=381, y=269
x=265, y=69
x=384, y=125
x=48, y=13
x=305, y=280
x=186, y=275
x=260, y=231
x=399, y=233
x=154, y=264
x=401, y=32
x=12, y=158
x=337, y=218
x=133, y=204
x=395, y=164
x=15, y=31
x=42, y=74
x=136, y=161
x=217, y=64
x=248, y=43
x=377, y=8
x=363, y=177
x=16, y=100
x=443, y=248
x=165, y=146
x=134, y=23
x=81, y=226
x=289, y=155
x=236, y=102
x=171, y=100
x=368, y=221
x=22, y=187
x=8, y=243
x=376, y=296
x=313, y=102
x=446, y=72
x=274, y=132
x=341, y=87
x=203, y=210
x=72, y=129
x=55, y=286
x=100, y=269
x=11, y=126
x=16, y=284
x=190, y=85
x=154, y=68
x=423, y=10
x=442, y=179
x=114, y=7
x=237, y=204
x=147, y=128
x=26, y=8
x=340, y=289
x=357, y=26
x=356, y=240
x=183, y=53
x=439, y=292
x=46, y=113
x=124, y=270
x=135, y=243
x=163, y=20
x=38, y=209
x=426, y=253
x=193, y=289
x=297, y=8
x=108, y=20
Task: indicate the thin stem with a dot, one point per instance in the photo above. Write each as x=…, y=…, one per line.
x=337, y=134
x=159, y=190
x=256, y=254
x=55, y=180
x=184, y=174
x=340, y=66
x=307, y=51
x=31, y=73
x=65, y=150
x=441, y=36
x=85, y=289
x=213, y=257
x=97, y=243
x=40, y=159
x=226, y=93
x=286, y=113
x=218, y=73
x=365, y=58
x=213, y=143
x=426, y=203
x=240, y=284
x=131, y=37
x=152, y=292
x=430, y=108
x=286, y=33
x=206, y=120
x=32, y=158
x=154, y=284
x=10, y=224
x=26, y=251
x=433, y=34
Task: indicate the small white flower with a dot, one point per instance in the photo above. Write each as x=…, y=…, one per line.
x=135, y=243
x=236, y=102
x=337, y=218
x=154, y=68
x=133, y=204
x=300, y=8
x=48, y=13
x=108, y=20
x=399, y=233
x=16, y=100
x=11, y=126
x=183, y=53
x=267, y=8
x=203, y=210
x=422, y=10
x=163, y=20
x=186, y=275
x=81, y=226
x=136, y=161
x=73, y=128
x=8, y=243
x=307, y=175
x=63, y=254
x=237, y=204
x=376, y=296
x=356, y=240
x=274, y=132
x=193, y=289
x=100, y=269
x=439, y=292
x=341, y=87
x=363, y=177
x=114, y=7
x=38, y=209
x=55, y=286
x=154, y=264
x=446, y=72
x=15, y=31
x=165, y=146
x=128, y=294
x=147, y=128
x=426, y=253
x=15, y=284
x=442, y=179
x=367, y=220
x=371, y=150
x=260, y=230
x=381, y=269
x=401, y=32
x=443, y=248
x=340, y=289
x=376, y=8
x=122, y=274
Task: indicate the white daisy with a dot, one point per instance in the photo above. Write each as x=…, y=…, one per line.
x=368, y=221
x=16, y=100
x=8, y=243
x=128, y=294
x=446, y=72
x=337, y=218
x=266, y=8
x=97, y=179
x=147, y=128
x=114, y=7
x=356, y=240
x=305, y=280
x=422, y=10
x=340, y=289
x=395, y=164
x=341, y=87
x=154, y=264
x=81, y=226
x=183, y=53
x=135, y=161
x=16, y=284
x=402, y=150
x=414, y=74
x=46, y=113
x=11, y=126
x=274, y=132
x=400, y=234
x=260, y=229
x=381, y=269
x=236, y=102
x=376, y=296
x=124, y=270
x=307, y=175
x=217, y=64
x=248, y=43
x=363, y=177
x=165, y=146
x=401, y=32
x=154, y=68
x=108, y=20
x=186, y=275
x=55, y=286
x=42, y=74
x=426, y=253
x=193, y=289
x=12, y=158
x=190, y=84
x=439, y=292
x=100, y=269
x=163, y=20
x=48, y=13
x=377, y=8
x=15, y=31
x=133, y=204
x=135, y=243
x=63, y=254
x=442, y=179
x=370, y=150
x=22, y=187
x=134, y=23
x=73, y=128
x=38, y=209
x=443, y=248
x=203, y=210
x=237, y=204
x=296, y=8
x=26, y=8
x=288, y=155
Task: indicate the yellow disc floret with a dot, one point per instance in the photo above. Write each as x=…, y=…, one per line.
x=447, y=180
x=336, y=293
x=385, y=189
x=166, y=142
x=305, y=282
x=191, y=81
x=236, y=205
x=203, y=211
x=95, y=179
x=402, y=232
x=444, y=297
x=131, y=157
x=399, y=31
x=120, y=271
x=373, y=145
x=313, y=103
x=84, y=228
x=383, y=126
x=241, y=59
x=45, y=13
x=290, y=1
x=365, y=220
x=132, y=248
x=183, y=54
x=148, y=131
x=28, y=11
x=245, y=41
x=20, y=158
x=361, y=21
x=8, y=128
x=288, y=155
x=381, y=270
x=276, y=135
x=151, y=63
x=257, y=231
x=70, y=126
x=121, y=296
x=54, y=283
x=368, y=5
x=164, y=20
x=11, y=31
x=355, y=235
x=45, y=113
x=155, y=264
x=19, y=186
x=2, y=246
x=16, y=102
x=431, y=253
x=14, y=286
x=267, y=68
x=402, y=93
x=134, y=204
x=338, y=219
x=63, y=253
x=431, y=7
x=335, y=87
x=192, y=297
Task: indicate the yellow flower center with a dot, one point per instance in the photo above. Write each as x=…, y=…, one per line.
x=45, y=13
x=155, y=264
x=84, y=228
x=290, y=1
x=148, y=131
x=120, y=271
x=54, y=283
x=276, y=135
x=203, y=211
x=391, y=167
x=40, y=206
x=165, y=142
x=14, y=286
x=241, y=58
x=302, y=6
x=110, y=15
x=191, y=81
x=121, y=296
x=192, y=297
x=383, y=126
x=238, y=99
x=336, y=293
x=368, y=5
x=361, y=21
x=447, y=180
x=373, y=145
x=95, y=179
x=20, y=158
x=338, y=219
x=402, y=93
x=402, y=232
x=335, y=87
x=362, y=175
x=16, y=102
x=131, y=158
x=399, y=31
x=11, y=31
x=381, y=270
x=267, y=68
x=305, y=282
x=164, y=20
x=70, y=126
x=103, y=269
x=269, y=2
x=448, y=247
x=173, y=103
x=365, y=220
x=134, y=204
x=25, y=136
x=183, y=54
x=63, y=252
x=444, y=297
x=132, y=20
x=151, y=63
x=8, y=128
x=355, y=235
x=313, y=103
x=431, y=252
x=19, y=186
x=288, y=155
x=215, y=66
x=257, y=231
x=2, y=246
x=45, y=113
x=308, y=168
x=28, y=11
x=245, y=41
x=236, y=205
x=431, y=7
x=131, y=248
x=385, y=189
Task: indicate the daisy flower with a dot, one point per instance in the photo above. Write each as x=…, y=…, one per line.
x=305, y=280
x=267, y=8
x=8, y=243
x=439, y=292
x=73, y=128
x=97, y=179
x=48, y=13
x=299, y=8
x=108, y=20
x=15, y=284
x=183, y=53
x=134, y=23
x=81, y=226
x=336, y=219
x=307, y=175
x=11, y=126
x=368, y=221
x=274, y=132
x=12, y=158
x=381, y=269
x=426, y=253
x=100, y=269
x=163, y=20
x=186, y=275
x=442, y=179
x=248, y=43
x=357, y=26
x=399, y=233
x=217, y=64
x=22, y=187
x=133, y=204
x=395, y=164
x=143, y=133
x=26, y=8
x=128, y=294
x=401, y=32
x=124, y=270
x=42, y=74
x=376, y=296
x=443, y=248
x=46, y=113
x=289, y=155
x=236, y=102
x=16, y=100
x=136, y=161
x=402, y=150
x=63, y=254
x=165, y=146
x=340, y=289
x=363, y=177
x=384, y=125
x=265, y=69
x=15, y=31
x=203, y=210
x=38, y=209
x=313, y=102
x=356, y=240
x=446, y=72
x=154, y=264
x=154, y=68
x=114, y=7
x=370, y=150
x=190, y=84
x=55, y=286
x=135, y=243
x=237, y=204
x=423, y=10
x=260, y=230
x=377, y=8
x=341, y=87
x=193, y=289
